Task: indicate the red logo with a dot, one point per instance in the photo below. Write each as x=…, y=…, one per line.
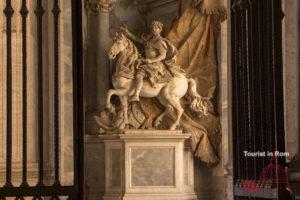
x=272, y=176
x=250, y=186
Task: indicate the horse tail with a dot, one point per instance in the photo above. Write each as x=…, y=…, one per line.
x=198, y=104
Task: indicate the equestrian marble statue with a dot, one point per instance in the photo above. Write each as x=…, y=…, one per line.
x=152, y=75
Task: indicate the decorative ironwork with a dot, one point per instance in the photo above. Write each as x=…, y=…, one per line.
x=257, y=91
x=39, y=12
x=56, y=11
x=57, y=190
x=8, y=11
x=78, y=93
x=24, y=13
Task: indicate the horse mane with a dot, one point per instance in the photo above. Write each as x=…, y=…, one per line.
x=133, y=53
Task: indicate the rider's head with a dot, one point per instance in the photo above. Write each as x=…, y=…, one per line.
x=156, y=27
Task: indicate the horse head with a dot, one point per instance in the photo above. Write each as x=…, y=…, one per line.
x=120, y=44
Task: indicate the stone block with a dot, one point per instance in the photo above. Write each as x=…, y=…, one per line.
x=144, y=164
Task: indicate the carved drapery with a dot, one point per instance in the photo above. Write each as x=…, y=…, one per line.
x=195, y=34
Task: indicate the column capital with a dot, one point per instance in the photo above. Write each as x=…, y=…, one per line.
x=99, y=5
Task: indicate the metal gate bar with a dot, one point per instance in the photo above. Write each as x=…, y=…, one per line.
x=56, y=12
x=40, y=190
x=24, y=13
x=257, y=92
x=8, y=13
x=39, y=12
x=78, y=93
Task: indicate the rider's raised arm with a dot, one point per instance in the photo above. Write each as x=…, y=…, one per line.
x=131, y=36
x=134, y=38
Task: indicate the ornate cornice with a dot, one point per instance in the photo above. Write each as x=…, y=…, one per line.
x=100, y=5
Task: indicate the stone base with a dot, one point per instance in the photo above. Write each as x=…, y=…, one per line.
x=148, y=165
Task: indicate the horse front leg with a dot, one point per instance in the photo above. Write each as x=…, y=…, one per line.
x=109, y=106
x=119, y=92
x=175, y=102
x=168, y=109
x=124, y=103
x=160, y=117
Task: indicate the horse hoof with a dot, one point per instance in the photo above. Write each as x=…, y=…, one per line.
x=122, y=126
x=173, y=127
x=110, y=108
x=127, y=126
x=146, y=127
x=157, y=123
x=135, y=99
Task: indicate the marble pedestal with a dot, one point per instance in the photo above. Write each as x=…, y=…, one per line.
x=148, y=165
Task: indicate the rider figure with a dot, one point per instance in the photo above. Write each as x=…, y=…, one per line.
x=156, y=49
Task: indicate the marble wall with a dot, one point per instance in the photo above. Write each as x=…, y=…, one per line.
x=291, y=63
x=222, y=175
x=66, y=95
x=116, y=157
x=94, y=161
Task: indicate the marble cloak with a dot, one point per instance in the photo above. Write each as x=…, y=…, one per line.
x=195, y=35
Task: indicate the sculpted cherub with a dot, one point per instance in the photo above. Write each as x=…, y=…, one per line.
x=160, y=55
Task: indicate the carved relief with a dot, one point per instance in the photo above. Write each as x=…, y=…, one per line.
x=195, y=32
x=156, y=75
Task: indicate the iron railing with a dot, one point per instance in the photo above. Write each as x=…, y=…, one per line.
x=257, y=89
x=41, y=190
